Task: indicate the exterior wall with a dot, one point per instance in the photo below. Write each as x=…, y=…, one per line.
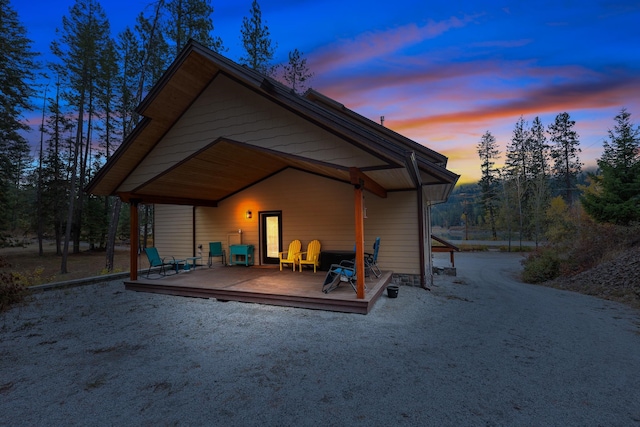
x=228, y=110
x=317, y=208
x=395, y=220
x=173, y=233
x=312, y=208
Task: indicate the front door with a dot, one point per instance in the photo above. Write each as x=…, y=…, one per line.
x=270, y=236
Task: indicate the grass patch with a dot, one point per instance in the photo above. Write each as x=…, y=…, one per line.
x=32, y=269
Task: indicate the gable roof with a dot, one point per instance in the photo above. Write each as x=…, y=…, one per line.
x=193, y=146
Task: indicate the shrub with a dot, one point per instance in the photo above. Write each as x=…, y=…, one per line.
x=31, y=278
x=541, y=266
x=11, y=292
x=589, y=245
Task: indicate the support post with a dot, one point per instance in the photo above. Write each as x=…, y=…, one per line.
x=134, y=231
x=359, y=223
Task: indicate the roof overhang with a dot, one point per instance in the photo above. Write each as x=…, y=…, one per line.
x=224, y=166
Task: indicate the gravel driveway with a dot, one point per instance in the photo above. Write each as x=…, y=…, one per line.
x=479, y=349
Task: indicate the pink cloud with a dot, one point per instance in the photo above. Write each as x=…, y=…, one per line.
x=346, y=53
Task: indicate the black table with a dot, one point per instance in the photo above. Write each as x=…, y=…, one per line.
x=334, y=257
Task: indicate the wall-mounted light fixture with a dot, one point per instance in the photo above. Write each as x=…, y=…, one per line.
x=249, y=215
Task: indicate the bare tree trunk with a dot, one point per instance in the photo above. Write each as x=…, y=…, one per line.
x=146, y=226
x=83, y=174
x=74, y=176
x=113, y=229
x=72, y=196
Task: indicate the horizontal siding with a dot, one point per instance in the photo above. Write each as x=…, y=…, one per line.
x=395, y=220
x=228, y=110
x=318, y=208
x=173, y=230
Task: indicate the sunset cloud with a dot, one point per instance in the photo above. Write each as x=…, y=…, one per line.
x=345, y=54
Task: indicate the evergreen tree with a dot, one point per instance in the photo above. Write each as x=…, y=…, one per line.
x=488, y=152
x=108, y=83
x=131, y=78
x=257, y=42
x=109, y=136
x=564, y=152
x=191, y=19
x=83, y=40
x=54, y=180
x=16, y=73
x=154, y=51
x=518, y=155
x=616, y=197
x=295, y=72
x=130, y=55
x=517, y=172
x=539, y=183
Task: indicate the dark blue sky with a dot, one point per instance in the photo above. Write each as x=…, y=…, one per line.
x=442, y=73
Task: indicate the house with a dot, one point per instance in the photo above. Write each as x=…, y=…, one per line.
x=227, y=154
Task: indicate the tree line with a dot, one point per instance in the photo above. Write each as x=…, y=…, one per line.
x=88, y=102
x=542, y=176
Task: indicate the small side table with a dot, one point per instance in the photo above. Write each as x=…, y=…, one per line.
x=176, y=264
x=245, y=252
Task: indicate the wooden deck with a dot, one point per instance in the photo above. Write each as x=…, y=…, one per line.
x=264, y=285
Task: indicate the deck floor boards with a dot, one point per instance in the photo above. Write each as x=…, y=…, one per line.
x=266, y=285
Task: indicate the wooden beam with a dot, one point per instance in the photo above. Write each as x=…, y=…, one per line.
x=166, y=200
x=134, y=232
x=360, y=179
x=359, y=217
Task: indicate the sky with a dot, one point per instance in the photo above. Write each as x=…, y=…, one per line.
x=441, y=73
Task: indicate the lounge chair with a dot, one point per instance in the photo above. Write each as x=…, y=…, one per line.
x=371, y=260
x=311, y=256
x=343, y=272
x=156, y=261
x=291, y=256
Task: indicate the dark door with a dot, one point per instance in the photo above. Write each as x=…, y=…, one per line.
x=270, y=236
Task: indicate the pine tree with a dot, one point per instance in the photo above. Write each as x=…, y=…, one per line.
x=295, y=72
x=565, y=152
x=83, y=40
x=191, y=19
x=130, y=54
x=54, y=180
x=488, y=152
x=257, y=42
x=518, y=156
x=539, y=183
x=131, y=77
x=154, y=51
x=517, y=172
x=615, y=197
x=16, y=73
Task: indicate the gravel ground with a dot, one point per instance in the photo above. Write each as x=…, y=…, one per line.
x=479, y=349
